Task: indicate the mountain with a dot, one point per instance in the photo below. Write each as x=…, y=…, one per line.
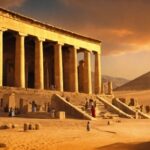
x=116, y=81
x=140, y=83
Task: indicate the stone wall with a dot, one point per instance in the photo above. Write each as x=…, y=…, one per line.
x=24, y=97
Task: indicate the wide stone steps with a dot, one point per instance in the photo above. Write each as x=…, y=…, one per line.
x=129, y=110
x=71, y=110
x=111, y=108
x=101, y=111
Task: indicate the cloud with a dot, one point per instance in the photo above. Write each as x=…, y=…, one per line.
x=11, y=3
x=122, y=25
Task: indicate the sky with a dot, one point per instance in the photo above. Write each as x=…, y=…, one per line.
x=123, y=26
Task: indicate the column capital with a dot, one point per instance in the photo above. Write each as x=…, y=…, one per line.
x=73, y=47
x=76, y=47
x=40, y=39
x=22, y=34
x=60, y=43
x=3, y=29
x=97, y=53
x=87, y=51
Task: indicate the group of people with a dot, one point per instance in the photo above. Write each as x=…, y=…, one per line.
x=90, y=106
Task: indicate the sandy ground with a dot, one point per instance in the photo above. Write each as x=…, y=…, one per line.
x=71, y=134
x=143, y=97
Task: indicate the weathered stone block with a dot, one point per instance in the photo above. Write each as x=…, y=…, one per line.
x=25, y=127
x=37, y=126
x=61, y=115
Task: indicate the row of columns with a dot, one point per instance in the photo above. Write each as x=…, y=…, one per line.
x=39, y=69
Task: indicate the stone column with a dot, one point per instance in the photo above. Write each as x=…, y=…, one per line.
x=110, y=88
x=20, y=61
x=97, y=74
x=102, y=88
x=1, y=57
x=39, y=66
x=73, y=69
x=87, y=73
x=58, y=65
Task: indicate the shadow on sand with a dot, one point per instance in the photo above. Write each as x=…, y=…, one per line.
x=126, y=146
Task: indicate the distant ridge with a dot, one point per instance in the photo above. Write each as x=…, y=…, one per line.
x=116, y=81
x=140, y=83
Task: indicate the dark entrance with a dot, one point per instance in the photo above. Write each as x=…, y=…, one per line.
x=30, y=61
x=9, y=46
x=31, y=79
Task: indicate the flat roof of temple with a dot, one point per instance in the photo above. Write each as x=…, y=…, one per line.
x=47, y=26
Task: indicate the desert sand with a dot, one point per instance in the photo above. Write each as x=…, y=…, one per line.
x=71, y=134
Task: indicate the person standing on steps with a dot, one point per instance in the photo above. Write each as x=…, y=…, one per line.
x=93, y=111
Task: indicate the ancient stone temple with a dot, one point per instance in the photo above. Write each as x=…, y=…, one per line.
x=42, y=72
x=40, y=56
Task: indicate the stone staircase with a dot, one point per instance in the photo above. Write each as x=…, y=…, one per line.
x=129, y=110
x=101, y=111
x=113, y=109
x=60, y=104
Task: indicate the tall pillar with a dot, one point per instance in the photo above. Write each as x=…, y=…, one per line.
x=1, y=57
x=97, y=73
x=58, y=67
x=73, y=70
x=87, y=73
x=39, y=66
x=20, y=61
x=102, y=88
x=110, y=88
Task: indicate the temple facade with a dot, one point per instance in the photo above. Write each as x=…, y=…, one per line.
x=41, y=56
